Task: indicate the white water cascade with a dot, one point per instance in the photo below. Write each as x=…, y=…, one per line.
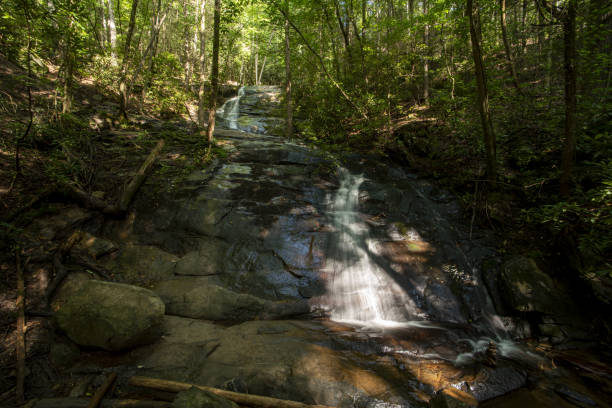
x=360, y=290
x=231, y=109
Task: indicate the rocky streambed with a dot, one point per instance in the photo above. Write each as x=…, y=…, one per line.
x=235, y=277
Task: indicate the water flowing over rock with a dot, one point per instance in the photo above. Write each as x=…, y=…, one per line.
x=380, y=266
x=230, y=110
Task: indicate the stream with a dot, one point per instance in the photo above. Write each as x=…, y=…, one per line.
x=336, y=280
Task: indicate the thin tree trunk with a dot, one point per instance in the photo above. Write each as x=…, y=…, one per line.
x=333, y=39
x=502, y=18
x=549, y=54
x=345, y=34
x=322, y=64
x=569, y=64
x=68, y=57
x=123, y=91
x=112, y=29
x=289, y=102
x=256, y=67
x=151, y=56
x=212, y=103
x=202, y=90
x=483, y=95
x=68, y=68
x=523, y=26
x=186, y=45
x=20, y=349
x=155, y=29
x=261, y=71
x=426, y=58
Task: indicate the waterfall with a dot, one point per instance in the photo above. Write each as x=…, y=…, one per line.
x=231, y=109
x=360, y=289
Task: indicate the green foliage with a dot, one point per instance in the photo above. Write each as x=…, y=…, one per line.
x=166, y=86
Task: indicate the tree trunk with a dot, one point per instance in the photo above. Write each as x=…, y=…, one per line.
x=68, y=68
x=426, y=59
x=322, y=64
x=212, y=103
x=112, y=29
x=289, y=123
x=186, y=45
x=483, y=95
x=569, y=65
x=202, y=90
x=256, y=68
x=502, y=18
x=523, y=30
x=123, y=91
x=151, y=57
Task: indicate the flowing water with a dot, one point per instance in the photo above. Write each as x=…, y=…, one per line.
x=400, y=271
x=230, y=111
x=360, y=290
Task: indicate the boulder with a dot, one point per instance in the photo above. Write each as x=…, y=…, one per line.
x=525, y=288
x=203, y=298
x=197, y=398
x=111, y=316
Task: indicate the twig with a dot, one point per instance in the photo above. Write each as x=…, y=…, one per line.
x=20, y=346
x=95, y=400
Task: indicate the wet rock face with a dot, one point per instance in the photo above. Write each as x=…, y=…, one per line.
x=527, y=288
x=111, y=316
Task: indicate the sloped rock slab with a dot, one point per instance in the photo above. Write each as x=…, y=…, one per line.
x=203, y=298
x=283, y=359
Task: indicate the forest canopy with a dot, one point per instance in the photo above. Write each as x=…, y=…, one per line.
x=506, y=102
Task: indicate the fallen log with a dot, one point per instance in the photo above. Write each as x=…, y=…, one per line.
x=130, y=191
x=250, y=400
x=89, y=201
x=97, y=398
x=111, y=403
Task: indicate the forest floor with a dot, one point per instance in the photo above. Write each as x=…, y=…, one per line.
x=89, y=149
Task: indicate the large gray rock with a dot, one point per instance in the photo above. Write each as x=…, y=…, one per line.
x=202, y=298
x=197, y=398
x=111, y=316
x=526, y=288
x=141, y=264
